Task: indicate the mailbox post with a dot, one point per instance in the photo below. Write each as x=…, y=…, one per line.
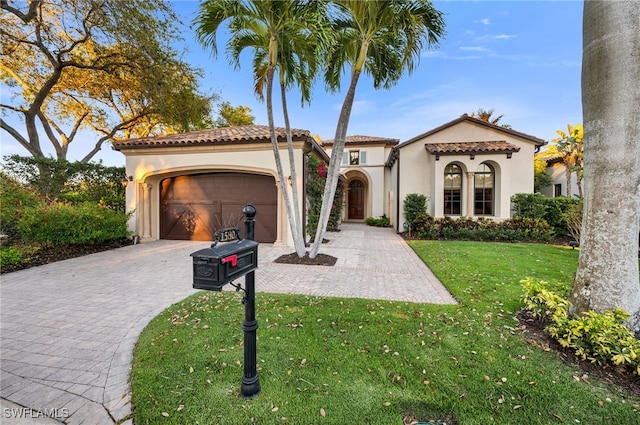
x=218, y=265
x=250, y=381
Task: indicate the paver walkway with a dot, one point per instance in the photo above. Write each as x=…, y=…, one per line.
x=68, y=329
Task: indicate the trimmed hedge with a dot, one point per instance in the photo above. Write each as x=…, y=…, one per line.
x=518, y=229
x=61, y=223
x=378, y=222
x=552, y=210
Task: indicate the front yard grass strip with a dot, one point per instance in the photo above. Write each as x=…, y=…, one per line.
x=341, y=361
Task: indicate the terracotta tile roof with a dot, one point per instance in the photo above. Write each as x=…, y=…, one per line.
x=472, y=120
x=365, y=140
x=214, y=136
x=471, y=148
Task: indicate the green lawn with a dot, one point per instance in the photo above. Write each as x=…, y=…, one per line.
x=343, y=361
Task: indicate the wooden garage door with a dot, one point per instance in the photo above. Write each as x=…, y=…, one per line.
x=193, y=207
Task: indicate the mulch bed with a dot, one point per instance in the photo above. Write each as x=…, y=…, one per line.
x=533, y=330
x=320, y=260
x=57, y=253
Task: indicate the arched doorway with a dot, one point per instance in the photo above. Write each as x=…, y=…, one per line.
x=355, y=200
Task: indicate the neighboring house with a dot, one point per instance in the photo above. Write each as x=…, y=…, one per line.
x=467, y=167
x=367, y=177
x=558, y=173
x=186, y=186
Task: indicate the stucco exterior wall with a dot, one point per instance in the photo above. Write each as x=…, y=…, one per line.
x=558, y=175
x=373, y=174
x=421, y=172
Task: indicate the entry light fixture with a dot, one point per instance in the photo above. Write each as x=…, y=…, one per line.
x=125, y=180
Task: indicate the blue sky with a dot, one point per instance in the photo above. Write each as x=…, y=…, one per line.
x=520, y=58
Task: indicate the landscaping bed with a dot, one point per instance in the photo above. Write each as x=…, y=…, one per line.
x=51, y=254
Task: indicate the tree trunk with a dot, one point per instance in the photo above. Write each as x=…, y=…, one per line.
x=298, y=241
x=607, y=275
x=567, y=174
x=333, y=172
x=276, y=154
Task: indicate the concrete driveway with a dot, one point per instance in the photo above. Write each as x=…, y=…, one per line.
x=68, y=329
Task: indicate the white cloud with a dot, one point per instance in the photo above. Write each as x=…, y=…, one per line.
x=504, y=37
x=484, y=21
x=490, y=37
x=480, y=49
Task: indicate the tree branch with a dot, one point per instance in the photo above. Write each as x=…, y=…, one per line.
x=25, y=17
x=33, y=150
x=108, y=135
x=47, y=129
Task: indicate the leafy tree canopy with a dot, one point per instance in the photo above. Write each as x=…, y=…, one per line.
x=230, y=116
x=105, y=66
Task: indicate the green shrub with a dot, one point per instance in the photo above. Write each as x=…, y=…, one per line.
x=10, y=255
x=573, y=217
x=531, y=205
x=556, y=208
x=13, y=200
x=61, y=223
x=414, y=205
x=598, y=337
x=378, y=222
x=96, y=183
x=74, y=182
x=535, y=205
x=483, y=229
x=543, y=302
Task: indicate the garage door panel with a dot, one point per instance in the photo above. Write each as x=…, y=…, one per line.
x=194, y=207
x=266, y=220
x=192, y=221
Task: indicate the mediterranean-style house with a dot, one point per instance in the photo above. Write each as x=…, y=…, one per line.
x=466, y=167
x=185, y=186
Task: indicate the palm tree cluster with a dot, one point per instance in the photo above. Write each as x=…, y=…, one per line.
x=299, y=40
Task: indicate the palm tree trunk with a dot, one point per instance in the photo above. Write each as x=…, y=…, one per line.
x=276, y=153
x=333, y=172
x=298, y=240
x=567, y=174
x=607, y=275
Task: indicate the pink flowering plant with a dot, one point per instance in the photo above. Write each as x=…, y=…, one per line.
x=316, y=178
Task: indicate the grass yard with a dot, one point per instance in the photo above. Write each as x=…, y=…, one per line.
x=343, y=361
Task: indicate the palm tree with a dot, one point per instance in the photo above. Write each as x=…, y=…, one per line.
x=607, y=275
x=382, y=38
x=280, y=36
x=486, y=115
x=570, y=149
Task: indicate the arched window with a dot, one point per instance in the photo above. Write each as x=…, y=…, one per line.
x=483, y=190
x=452, y=190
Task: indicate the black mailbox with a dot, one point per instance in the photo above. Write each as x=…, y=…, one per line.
x=216, y=266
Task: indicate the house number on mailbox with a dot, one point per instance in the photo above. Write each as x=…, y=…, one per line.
x=227, y=235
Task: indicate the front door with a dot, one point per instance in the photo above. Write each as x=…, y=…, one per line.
x=356, y=200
